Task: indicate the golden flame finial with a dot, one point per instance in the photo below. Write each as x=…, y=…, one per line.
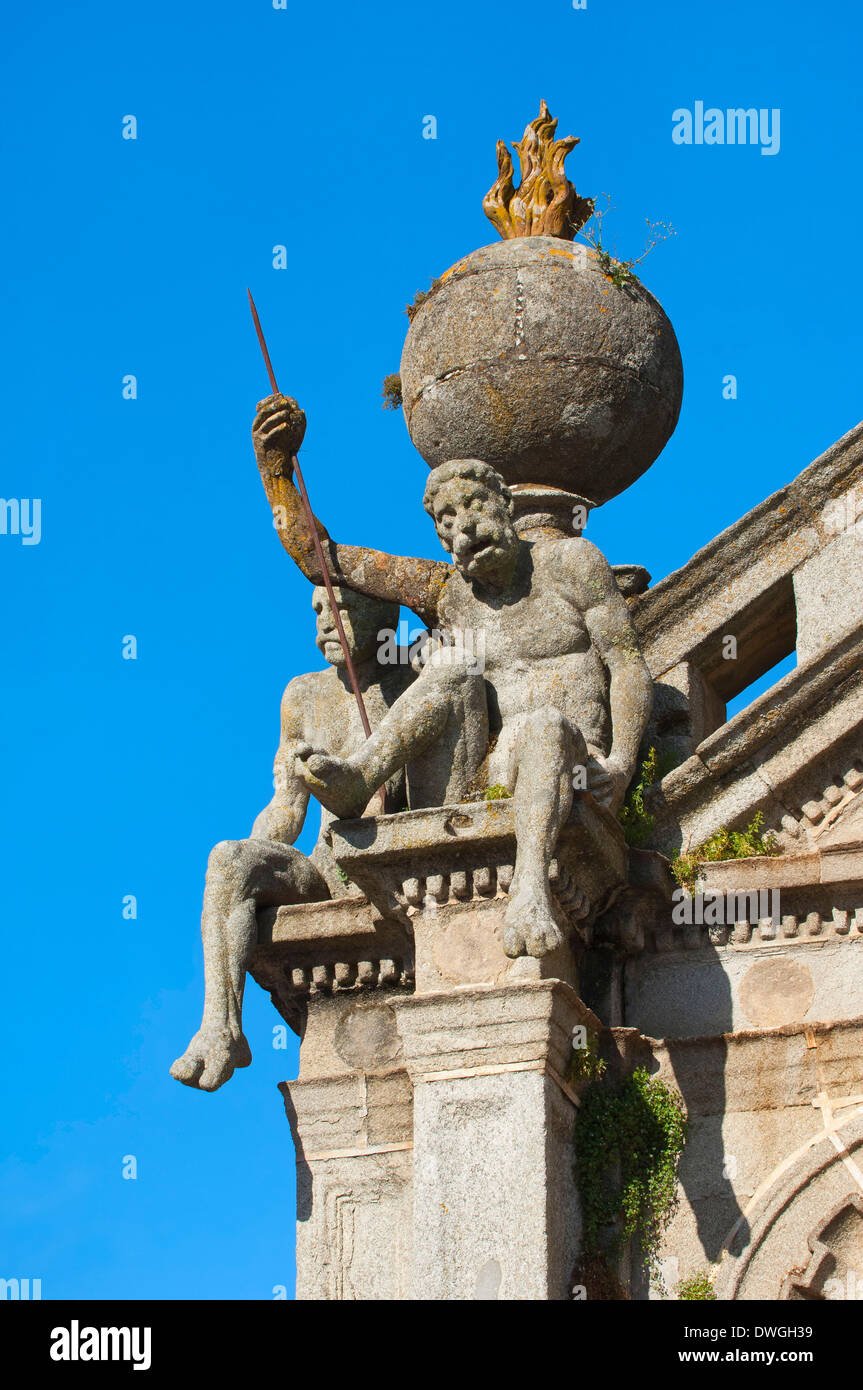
x=545, y=202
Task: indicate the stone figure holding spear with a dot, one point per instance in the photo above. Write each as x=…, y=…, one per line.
x=564, y=684
x=331, y=706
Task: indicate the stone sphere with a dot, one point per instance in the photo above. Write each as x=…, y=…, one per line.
x=524, y=354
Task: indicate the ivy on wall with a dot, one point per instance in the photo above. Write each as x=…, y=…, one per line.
x=696, y=1287
x=628, y=1146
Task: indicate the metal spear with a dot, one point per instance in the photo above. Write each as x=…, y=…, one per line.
x=316, y=540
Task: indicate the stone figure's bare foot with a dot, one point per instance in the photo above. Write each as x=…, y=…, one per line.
x=529, y=923
x=211, y=1057
x=336, y=784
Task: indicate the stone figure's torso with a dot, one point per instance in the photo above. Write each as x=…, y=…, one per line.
x=328, y=711
x=536, y=646
x=329, y=718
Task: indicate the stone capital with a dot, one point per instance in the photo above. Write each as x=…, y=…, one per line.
x=488, y=1029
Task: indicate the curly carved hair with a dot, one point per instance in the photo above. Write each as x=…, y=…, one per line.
x=469, y=469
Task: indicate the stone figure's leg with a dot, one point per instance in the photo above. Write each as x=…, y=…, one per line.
x=545, y=750
x=242, y=876
x=442, y=774
x=446, y=704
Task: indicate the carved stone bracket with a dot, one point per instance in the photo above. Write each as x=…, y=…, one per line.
x=428, y=877
x=319, y=948
x=466, y=853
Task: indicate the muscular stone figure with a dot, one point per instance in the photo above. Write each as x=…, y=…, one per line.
x=265, y=871
x=565, y=684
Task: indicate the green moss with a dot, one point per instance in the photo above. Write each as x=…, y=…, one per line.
x=497, y=792
x=724, y=844
x=697, y=1286
x=392, y=392
x=628, y=1145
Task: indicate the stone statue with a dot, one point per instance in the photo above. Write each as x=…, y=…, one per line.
x=436, y=956
x=265, y=870
x=564, y=685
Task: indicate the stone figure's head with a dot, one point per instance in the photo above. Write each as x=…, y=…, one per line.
x=362, y=619
x=471, y=507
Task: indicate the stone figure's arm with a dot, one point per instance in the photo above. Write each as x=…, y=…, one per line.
x=611, y=631
x=283, y=818
x=277, y=433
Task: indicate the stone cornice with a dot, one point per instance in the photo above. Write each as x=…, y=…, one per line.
x=681, y=614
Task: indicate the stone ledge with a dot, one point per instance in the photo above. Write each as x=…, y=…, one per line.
x=757, y=1068
x=312, y=937
x=789, y=701
x=795, y=929
x=823, y=900
x=832, y=864
x=681, y=612
x=770, y=723
x=466, y=853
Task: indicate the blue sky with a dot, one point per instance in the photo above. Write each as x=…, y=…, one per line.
x=303, y=127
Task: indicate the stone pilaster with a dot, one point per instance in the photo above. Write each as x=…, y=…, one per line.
x=495, y=1206
x=434, y=1113
x=351, y=1116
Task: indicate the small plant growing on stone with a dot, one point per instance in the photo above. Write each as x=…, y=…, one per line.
x=724, y=844
x=586, y=1063
x=497, y=792
x=392, y=392
x=617, y=271
x=341, y=875
x=633, y=815
x=696, y=1286
x=419, y=298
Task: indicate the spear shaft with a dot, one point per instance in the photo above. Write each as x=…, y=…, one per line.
x=316, y=540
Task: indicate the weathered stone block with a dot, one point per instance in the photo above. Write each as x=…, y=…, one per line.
x=524, y=354
x=494, y=1194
